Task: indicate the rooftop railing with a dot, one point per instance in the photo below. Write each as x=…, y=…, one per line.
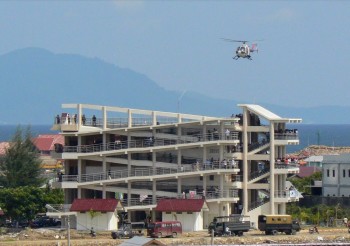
x=119, y=122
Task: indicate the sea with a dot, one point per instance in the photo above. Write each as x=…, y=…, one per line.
x=334, y=135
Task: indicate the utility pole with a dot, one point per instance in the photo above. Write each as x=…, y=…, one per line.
x=68, y=230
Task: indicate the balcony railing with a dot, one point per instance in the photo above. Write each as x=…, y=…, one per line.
x=120, y=122
x=140, y=172
x=281, y=165
x=287, y=193
x=286, y=136
x=147, y=143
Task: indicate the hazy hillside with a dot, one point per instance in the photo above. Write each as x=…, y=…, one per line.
x=35, y=82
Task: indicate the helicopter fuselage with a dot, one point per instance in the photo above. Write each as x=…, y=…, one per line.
x=242, y=51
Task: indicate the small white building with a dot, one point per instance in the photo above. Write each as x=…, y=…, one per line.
x=188, y=211
x=101, y=214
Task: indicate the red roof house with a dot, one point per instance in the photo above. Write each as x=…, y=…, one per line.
x=306, y=171
x=181, y=205
x=46, y=143
x=104, y=216
x=188, y=211
x=98, y=205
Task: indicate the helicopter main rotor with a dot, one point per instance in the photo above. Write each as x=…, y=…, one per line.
x=237, y=41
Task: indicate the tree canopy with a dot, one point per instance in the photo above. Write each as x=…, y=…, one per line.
x=21, y=164
x=303, y=185
x=25, y=202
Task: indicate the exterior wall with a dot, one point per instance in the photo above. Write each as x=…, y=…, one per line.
x=190, y=221
x=336, y=179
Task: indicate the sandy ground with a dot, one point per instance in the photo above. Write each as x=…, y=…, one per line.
x=47, y=237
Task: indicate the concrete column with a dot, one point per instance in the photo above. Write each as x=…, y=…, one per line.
x=245, y=161
x=80, y=170
x=79, y=193
x=104, y=192
x=154, y=118
x=222, y=131
x=204, y=153
x=129, y=193
x=154, y=192
x=104, y=141
x=272, y=168
x=104, y=115
x=221, y=185
x=179, y=185
x=179, y=119
x=104, y=165
x=79, y=141
x=221, y=152
x=129, y=118
x=129, y=163
x=179, y=157
x=204, y=132
x=79, y=115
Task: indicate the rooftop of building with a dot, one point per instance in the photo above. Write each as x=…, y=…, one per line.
x=47, y=142
x=98, y=205
x=181, y=205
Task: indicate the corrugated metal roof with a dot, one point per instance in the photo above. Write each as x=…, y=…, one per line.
x=99, y=205
x=343, y=158
x=140, y=241
x=181, y=205
x=314, y=158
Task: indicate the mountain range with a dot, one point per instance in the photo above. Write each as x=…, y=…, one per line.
x=35, y=83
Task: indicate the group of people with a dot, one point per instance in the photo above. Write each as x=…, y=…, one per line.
x=68, y=119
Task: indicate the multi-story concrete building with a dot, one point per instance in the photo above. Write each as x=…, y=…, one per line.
x=141, y=156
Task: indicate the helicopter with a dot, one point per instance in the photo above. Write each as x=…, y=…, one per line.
x=243, y=51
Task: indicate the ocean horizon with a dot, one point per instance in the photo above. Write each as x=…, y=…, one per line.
x=336, y=135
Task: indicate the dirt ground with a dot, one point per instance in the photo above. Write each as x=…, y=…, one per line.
x=54, y=237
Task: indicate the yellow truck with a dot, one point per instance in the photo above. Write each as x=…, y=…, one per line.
x=272, y=224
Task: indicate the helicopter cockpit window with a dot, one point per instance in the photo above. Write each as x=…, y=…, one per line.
x=242, y=49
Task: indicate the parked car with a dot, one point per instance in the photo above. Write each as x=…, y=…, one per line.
x=129, y=230
x=45, y=221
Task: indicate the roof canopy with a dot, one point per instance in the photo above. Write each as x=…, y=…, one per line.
x=181, y=205
x=99, y=205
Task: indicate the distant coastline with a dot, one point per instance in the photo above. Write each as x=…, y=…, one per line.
x=7, y=131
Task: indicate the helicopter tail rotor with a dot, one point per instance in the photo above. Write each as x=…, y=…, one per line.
x=255, y=48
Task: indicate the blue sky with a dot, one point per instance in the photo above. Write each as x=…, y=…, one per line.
x=303, y=59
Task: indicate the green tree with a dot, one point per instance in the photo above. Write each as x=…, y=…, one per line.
x=26, y=201
x=21, y=164
x=303, y=184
